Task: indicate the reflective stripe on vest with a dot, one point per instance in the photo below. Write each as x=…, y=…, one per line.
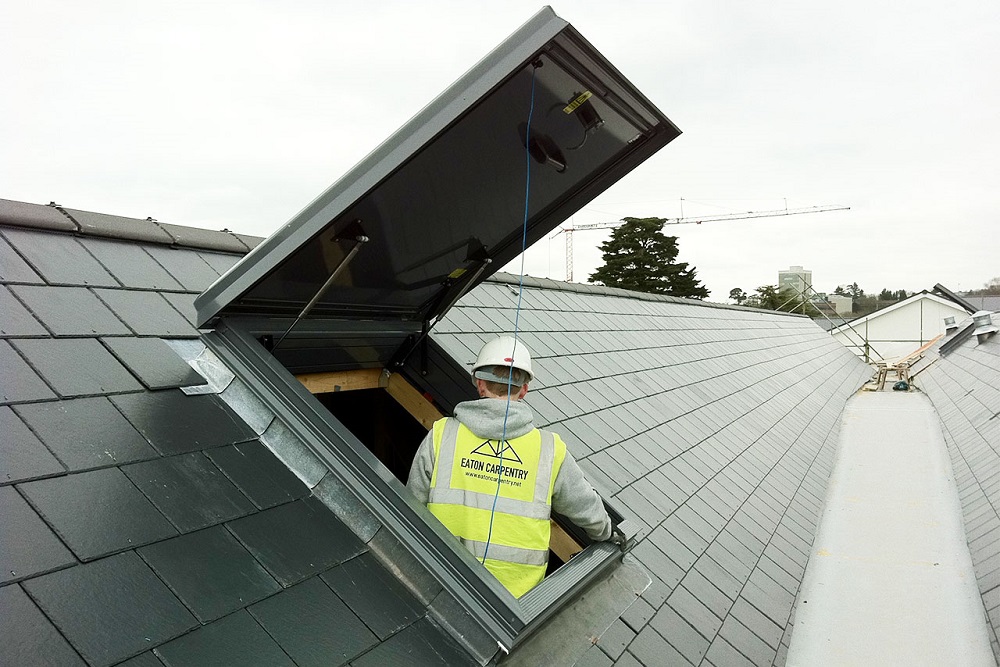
x=508, y=554
x=519, y=546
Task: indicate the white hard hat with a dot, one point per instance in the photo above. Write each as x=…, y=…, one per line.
x=502, y=351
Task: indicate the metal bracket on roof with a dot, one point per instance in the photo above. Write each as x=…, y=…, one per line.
x=355, y=233
x=469, y=277
x=624, y=535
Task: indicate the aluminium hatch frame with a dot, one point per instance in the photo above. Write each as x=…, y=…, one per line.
x=503, y=617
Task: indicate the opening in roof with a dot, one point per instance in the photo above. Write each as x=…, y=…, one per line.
x=390, y=417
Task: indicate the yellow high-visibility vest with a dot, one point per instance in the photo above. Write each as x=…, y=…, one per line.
x=464, y=489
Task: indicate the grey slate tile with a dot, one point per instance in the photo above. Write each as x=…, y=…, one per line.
x=419, y=644
x=154, y=362
x=70, y=311
x=59, y=258
x=639, y=505
x=185, y=266
x=28, y=637
x=142, y=660
x=130, y=264
x=770, y=598
x=719, y=576
x=258, y=474
x=742, y=555
x=34, y=215
x=211, y=573
x=638, y=614
x=616, y=638
x=22, y=455
x=86, y=432
x=17, y=321
x=381, y=600
x=147, y=313
x=97, y=513
x=680, y=634
x=708, y=594
x=313, y=626
x=757, y=623
x=27, y=546
x=189, y=490
x=685, y=534
x=658, y=563
x=629, y=660
x=692, y=610
x=777, y=574
x=652, y=650
x=116, y=226
x=77, y=366
x=225, y=260
x=184, y=304
x=20, y=381
x=657, y=592
x=747, y=643
x=673, y=548
x=297, y=540
x=235, y=640
x=594, y=657
x=111, y=609
x=601, y=482
x=722, y=654
x=175, y=423
x=613, y=469
x=13, y=268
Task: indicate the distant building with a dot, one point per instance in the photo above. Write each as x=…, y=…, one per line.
x=896, y=331
x=795, y=278
x=842, y=304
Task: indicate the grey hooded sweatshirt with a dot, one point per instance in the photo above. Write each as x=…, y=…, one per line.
x=572, y=495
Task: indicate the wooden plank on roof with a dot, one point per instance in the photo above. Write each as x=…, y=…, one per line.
x=326, y=382
x=419, y=407
x=561, y=544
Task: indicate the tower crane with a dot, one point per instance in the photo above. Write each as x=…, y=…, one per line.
x=691, y=220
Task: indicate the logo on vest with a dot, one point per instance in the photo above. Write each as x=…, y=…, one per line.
x=492, y=471
x=502, y=450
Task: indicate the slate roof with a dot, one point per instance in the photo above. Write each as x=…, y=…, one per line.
x=980, y=302
x=143, y=523
x=713, y=426
x=962, y=379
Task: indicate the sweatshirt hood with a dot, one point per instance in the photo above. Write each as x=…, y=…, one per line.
x=485, y=418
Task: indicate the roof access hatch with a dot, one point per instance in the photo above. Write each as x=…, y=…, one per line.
x=440, y=205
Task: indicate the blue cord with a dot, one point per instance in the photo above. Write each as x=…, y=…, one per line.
x=517, y=312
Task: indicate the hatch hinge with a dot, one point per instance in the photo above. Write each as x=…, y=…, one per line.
x=354, y=233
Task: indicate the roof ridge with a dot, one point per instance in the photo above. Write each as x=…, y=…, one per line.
x=109, y=226
x=562, y=286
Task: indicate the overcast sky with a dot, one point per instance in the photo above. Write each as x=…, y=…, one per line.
x=237, y=114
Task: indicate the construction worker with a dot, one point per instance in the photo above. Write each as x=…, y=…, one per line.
x=493, y=479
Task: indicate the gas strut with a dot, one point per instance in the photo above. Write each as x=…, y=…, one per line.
x=359, y=240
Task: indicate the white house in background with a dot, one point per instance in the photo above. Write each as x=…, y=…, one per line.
x=896, y=331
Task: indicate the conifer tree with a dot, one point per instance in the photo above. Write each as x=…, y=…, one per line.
x=641, y=258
